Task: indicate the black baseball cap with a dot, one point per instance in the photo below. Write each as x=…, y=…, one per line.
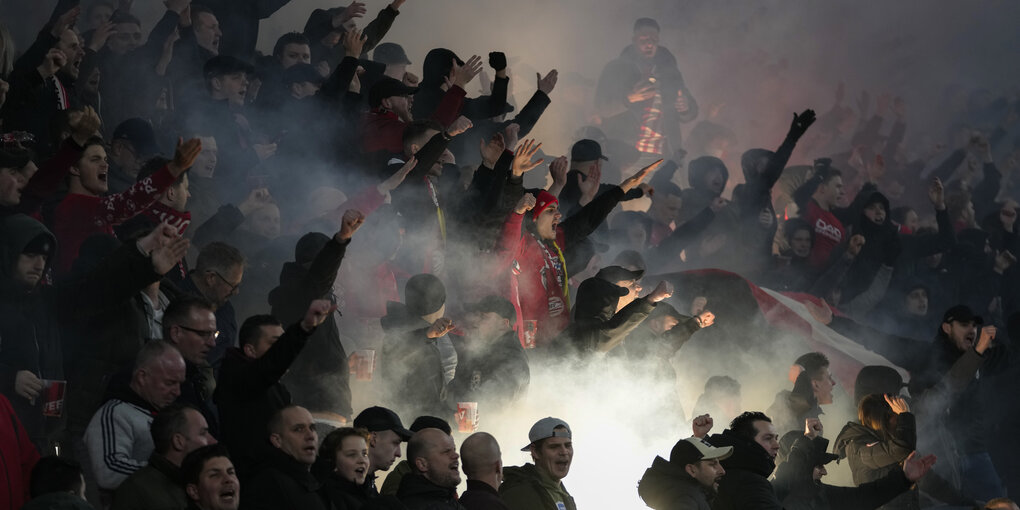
x=962, y=313
x=378, y=419
x=222, y=65
x=139, y=133
x=301, y=73
x=390, y=53
x=496, y=304
x=388, y=87
x=613, y=274
x=694, y=449
x=586, y=150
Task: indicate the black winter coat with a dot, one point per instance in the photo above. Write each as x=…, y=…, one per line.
x=30, y=320
x=319, y=378
x=882, y=246
x=417, y=493
x=249, y=392
x=437, y=65
x=340, y=494
x=966, y=413
x=668, y=487
x=745, y=485
x=284, y=484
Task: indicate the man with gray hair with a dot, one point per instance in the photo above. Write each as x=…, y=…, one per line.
x=538, y=485
x=217, y=277
x=118, y=438
x=176, y=431
x=435, y=472
x=483, y=466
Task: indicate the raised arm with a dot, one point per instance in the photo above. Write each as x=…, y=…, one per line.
x=581, y=224
x=116, y=209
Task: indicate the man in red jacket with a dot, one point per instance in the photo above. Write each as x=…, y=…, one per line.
x=17, y=457
x=85, y=211
x=537, y=248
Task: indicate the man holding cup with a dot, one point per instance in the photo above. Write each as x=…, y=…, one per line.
x=492, y=368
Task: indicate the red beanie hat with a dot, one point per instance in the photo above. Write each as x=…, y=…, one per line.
x=542, y=201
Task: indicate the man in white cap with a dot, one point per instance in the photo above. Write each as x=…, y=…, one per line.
x=538, y=485
x=689, y=480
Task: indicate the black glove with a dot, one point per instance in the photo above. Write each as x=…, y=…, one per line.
x=802, y=122
x=497, y=60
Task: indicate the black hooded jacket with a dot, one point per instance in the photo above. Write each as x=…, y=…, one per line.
x=621, y=118
x=668, y=487
x=30, y=319
x=882, y=246
x=597, y=326
x=745, y=484
x=319, y=378
x=699, y=196
x=436, y=67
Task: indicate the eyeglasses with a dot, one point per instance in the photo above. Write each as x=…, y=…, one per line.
x=233, y=287
x=205, y=334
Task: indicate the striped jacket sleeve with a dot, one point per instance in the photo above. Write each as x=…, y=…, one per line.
x=110, y=439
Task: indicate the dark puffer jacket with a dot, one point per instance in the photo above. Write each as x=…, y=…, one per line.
x=668, y=487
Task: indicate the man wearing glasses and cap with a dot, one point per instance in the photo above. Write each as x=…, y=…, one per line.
x=688, y=480
x=538, y=486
